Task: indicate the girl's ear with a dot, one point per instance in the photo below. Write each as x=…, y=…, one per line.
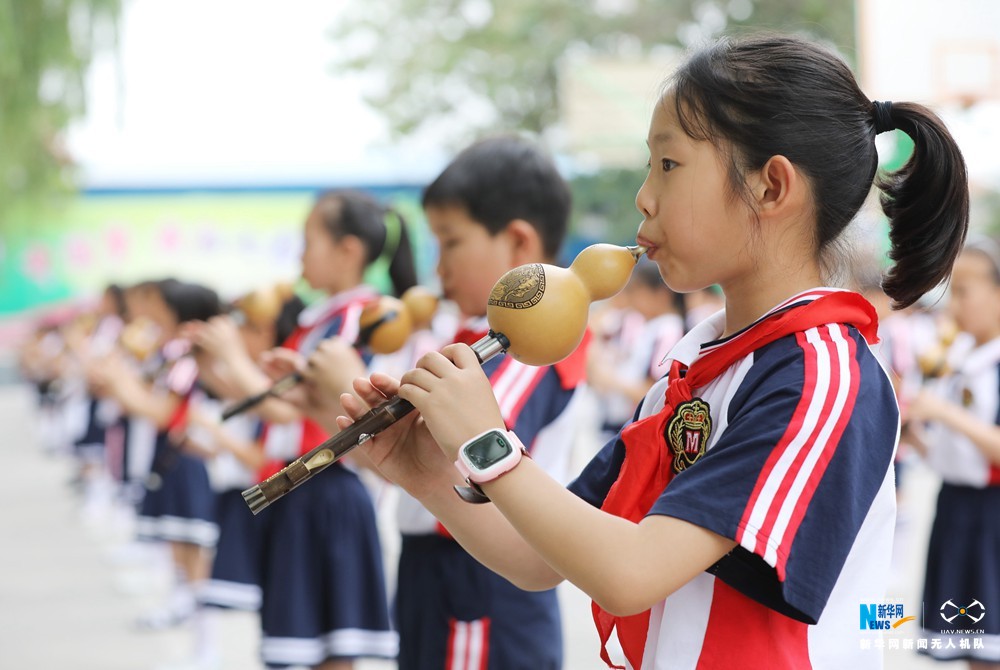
x=525, y=242
x=778, y=188
x=353, y=247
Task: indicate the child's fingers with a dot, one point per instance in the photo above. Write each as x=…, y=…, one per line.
x=421, y=378
x=367, y=392
x=386, y=385
x=433, y=361
x=461, y=355
x=354, y=408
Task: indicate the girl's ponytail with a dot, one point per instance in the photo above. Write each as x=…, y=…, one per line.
x=926, y=201
x=382, y=232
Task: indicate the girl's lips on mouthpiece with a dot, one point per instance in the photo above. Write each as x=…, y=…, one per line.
x=650, y=247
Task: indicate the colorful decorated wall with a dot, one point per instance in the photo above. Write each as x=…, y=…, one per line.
x=230, y=239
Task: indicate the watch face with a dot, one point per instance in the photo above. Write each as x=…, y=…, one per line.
x=487, y=450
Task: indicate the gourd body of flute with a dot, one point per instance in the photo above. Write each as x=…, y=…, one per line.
x=543, y=309
x=537, y=314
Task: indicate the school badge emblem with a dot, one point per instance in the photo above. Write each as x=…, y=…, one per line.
x=688, y=431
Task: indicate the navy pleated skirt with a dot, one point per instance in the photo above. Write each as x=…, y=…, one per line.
x=179, y=504
x=235, y=580
x=323, y=585
x=962, y=582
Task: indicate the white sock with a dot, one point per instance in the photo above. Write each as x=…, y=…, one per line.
x=181, y=598
x=206, y=634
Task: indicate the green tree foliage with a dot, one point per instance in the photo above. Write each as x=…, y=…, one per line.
x=604, y=205
x=444, y=62
x=45, y=49
x=471, y=66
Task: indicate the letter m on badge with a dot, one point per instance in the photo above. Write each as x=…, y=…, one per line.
x=692, y=441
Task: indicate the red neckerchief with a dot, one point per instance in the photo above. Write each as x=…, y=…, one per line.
x=468, y=336
x=648, y=465
x=572, y=370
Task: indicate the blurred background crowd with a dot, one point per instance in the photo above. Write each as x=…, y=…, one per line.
x=159, y=162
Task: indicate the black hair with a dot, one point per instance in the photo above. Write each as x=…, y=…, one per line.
x=357, y=214
x=500, y=179
x=766, y=95
x=288, y=319
x=117, y=294
x=190, y=302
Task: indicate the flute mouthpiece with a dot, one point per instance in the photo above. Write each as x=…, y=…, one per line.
x=637, y=251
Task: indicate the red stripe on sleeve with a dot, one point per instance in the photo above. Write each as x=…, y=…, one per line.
x=819, y=469
x=449, y=659
x=807, y=445
x=793, y=429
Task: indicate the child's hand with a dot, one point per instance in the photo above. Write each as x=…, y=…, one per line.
x=925, y=406
x=405, y=452
x=600, y=369
x=329, y=372
x=219, y=337
x=201, y=419
x=281, y=362
x=454, y=396
x=116, y=376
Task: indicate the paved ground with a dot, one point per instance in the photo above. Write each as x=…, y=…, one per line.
x=66, y=603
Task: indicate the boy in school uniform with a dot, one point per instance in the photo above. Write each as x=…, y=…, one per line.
x=499, y=204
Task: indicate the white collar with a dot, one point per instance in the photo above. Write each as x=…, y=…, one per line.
x=705, y=335
x=981, y=357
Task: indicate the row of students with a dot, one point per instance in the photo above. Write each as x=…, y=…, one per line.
x=744, y=524
x=954, y=422
x=500, y=204
x=747, y=508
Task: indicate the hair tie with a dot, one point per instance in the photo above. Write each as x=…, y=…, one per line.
x=882, y=116
x=393, y=223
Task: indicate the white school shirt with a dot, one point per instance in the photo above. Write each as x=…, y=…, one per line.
x=976, y=386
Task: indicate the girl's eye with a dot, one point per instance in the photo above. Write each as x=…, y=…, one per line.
x=668, y=164
x=649, y=163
